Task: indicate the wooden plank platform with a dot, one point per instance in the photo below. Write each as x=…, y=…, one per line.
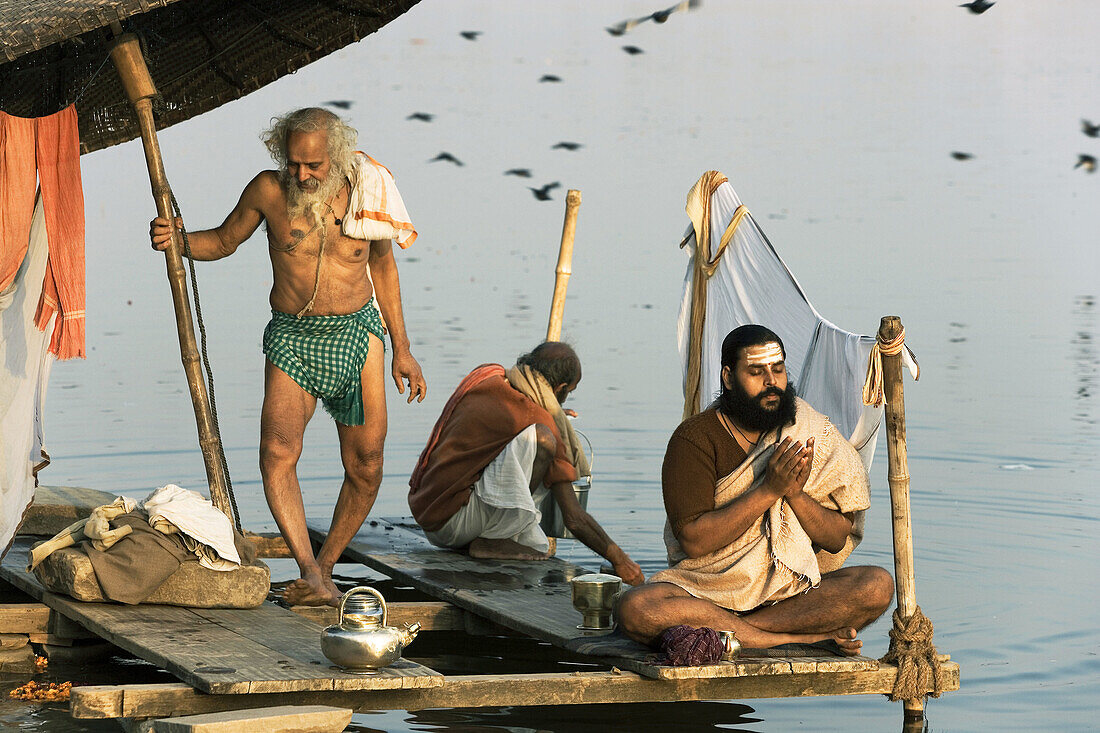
x=263, y=650
x=485, y=690
x=534, y=598
x=56, y=507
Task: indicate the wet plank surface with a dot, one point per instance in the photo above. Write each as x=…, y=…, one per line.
x=263, y=650
x=534, y=598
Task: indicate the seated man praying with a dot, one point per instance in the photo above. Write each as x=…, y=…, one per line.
x=764, y=501
x=501, y=443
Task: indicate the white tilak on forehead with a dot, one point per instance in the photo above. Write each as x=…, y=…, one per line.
x=764, y=354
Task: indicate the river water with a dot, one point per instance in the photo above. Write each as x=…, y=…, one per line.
x=835, y=123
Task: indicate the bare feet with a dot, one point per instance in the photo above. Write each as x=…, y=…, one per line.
x=847, y=641
x=503, y=549
x=312, y=590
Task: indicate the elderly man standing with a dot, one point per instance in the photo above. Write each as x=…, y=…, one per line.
x=503, y=441
x=764, y=501
x=331, y=217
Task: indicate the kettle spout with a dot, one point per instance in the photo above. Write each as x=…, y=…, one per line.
x=409, y=633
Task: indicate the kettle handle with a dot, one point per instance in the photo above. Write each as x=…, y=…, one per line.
x=362, y=589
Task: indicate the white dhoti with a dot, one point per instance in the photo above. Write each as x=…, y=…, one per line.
x=501, y=506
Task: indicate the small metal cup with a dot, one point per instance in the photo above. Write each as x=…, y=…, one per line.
x=731, y=647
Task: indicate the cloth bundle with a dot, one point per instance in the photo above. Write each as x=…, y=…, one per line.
x=685, y=646
x=170, y=510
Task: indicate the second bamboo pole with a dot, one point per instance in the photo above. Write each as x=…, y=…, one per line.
x=565, y=265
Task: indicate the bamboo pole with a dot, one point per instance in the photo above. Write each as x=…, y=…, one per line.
x=565, y=265
x=904, y=575
x=128, y=60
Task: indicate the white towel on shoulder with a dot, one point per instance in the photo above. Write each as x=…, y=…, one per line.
x=375, y=208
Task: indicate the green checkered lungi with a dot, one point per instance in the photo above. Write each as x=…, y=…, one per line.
x=325, y=356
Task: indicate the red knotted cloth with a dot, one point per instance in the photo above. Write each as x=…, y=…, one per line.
x=685, y=646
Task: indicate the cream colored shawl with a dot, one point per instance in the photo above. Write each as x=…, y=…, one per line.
x=774, y=559
x=534, y=386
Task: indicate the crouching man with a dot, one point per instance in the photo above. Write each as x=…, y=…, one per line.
x=764, y=501
x=500, y=444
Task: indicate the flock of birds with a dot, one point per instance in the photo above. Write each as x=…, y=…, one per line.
x=542, y=193
x=1084, y=161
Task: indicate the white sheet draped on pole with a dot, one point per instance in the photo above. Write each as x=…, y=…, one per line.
x=24, y=375
x=752, y=285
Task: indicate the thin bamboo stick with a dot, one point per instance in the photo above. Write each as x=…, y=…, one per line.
x=904, y=574
x=565, y=265
x=127, y=58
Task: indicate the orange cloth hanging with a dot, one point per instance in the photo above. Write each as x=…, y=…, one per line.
x=58, y=148
x=50, y=145
x=17, y=181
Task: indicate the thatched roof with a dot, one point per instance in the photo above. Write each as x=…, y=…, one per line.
x=201, y=53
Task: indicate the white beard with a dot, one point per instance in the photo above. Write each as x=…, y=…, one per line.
x=311, y=204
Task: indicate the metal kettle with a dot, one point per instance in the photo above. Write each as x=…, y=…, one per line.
x=360, y=641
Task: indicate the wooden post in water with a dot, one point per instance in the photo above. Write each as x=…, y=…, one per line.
x=565, y=265
x=128, y=60
x=904, y=576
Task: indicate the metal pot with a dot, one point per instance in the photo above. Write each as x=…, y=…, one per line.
x=360, y=641
x=594, y=596
x=552, y=522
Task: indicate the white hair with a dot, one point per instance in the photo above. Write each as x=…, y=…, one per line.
x=341, y=136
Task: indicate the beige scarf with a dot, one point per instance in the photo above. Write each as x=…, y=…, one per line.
x=774, y=559
x=534, y=386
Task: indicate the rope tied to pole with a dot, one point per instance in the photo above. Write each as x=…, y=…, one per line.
x=236, y=518
x=873, y=387
x=912, y=650
x=704, y=265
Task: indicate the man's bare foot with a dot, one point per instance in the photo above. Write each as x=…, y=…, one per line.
x=846, y=639
x=503, y=549
x=312, y=590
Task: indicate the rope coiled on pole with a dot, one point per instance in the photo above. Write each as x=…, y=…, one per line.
x=873, y=387
x=914, y=654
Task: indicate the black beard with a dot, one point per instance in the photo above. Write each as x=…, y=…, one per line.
x=749, y=413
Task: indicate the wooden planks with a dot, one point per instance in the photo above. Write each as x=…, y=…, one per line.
x=263, y=650
x=560, y=688
x=534, y=598
x=24, y=618
x=56, y=507
x=431, y=615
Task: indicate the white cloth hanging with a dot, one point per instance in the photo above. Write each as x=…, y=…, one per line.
x=752, y=285
x=25, y=364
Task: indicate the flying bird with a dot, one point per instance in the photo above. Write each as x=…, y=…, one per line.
x=447, y=157
x=659, y=16
x=633, y=50
x=521, y=172
x=977, y=7
x=543, y=193
x=470, y=35
x=961, y=156
x=1087, y=162
x=550, y=78
x=1090, y=129
x=421, y=116
x=340, y=103
x=620, y=29
x=662, y=15
x=567, y=146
